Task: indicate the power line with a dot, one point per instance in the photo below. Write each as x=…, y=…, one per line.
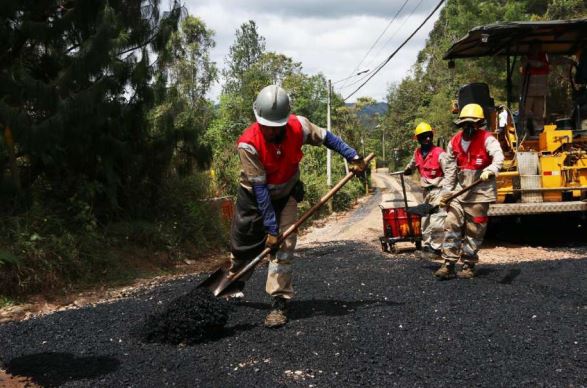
x=384, y=46
x=377, y=40
x=371, y=63
x=396, y=50
x=351, y=76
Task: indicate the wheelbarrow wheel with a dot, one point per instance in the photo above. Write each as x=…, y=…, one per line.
x=385, y=246
x=418, y=245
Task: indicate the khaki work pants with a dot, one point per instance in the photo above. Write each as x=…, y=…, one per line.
x=535, y=106
x=433, y=224
x=464, y=229
x=535, y=111
x=279, y=273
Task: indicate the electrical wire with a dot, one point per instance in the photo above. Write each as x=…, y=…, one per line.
x=400, y=28
x=357, y=81
x=396, y=50
x=376, y=41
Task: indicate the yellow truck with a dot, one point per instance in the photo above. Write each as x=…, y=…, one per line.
x=545, y=169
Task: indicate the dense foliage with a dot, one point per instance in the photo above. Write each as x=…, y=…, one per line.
x=112, y=150
x=102, y=109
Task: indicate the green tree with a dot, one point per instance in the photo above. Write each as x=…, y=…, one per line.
x=309, y=95
x=76, y=84
x=242, y=55
x=183, y=113
x=566, y=9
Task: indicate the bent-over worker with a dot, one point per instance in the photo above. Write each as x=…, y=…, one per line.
x=270, y=151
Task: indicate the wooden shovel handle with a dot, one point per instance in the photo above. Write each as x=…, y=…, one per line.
x=463, y=190
x=303, y=218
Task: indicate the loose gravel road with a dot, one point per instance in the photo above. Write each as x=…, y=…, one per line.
x=361, y=318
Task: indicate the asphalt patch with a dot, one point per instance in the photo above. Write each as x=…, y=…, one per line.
x=195, y=317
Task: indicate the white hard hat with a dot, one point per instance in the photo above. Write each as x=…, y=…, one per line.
x=272, y=106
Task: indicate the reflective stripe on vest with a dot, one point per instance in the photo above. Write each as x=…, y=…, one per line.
x=429, y=167
x=476, y=157
x=281, y=161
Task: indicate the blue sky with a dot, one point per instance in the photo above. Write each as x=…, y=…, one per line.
x=329, y=36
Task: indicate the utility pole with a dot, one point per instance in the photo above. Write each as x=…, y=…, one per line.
x=378, y=126
x=365, y=173
x=328, y=127
x=383, y=143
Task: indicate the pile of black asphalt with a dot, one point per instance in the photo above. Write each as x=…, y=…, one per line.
x=189, y=319
x=360, y=318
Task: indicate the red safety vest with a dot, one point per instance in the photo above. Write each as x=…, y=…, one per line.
x=541, y=70
x=429, y=167
x=281, y=161
x=476, y=157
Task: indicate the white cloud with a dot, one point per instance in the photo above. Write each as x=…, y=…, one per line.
x=328, y=37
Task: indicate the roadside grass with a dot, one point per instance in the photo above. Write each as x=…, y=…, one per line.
x=46, y=251
x=6, y=302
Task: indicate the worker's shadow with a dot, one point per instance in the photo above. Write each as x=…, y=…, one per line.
x=500, y=276
x=52, y=369
x=301, y=309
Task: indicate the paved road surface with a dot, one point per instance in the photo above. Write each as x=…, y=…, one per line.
x=361, y=318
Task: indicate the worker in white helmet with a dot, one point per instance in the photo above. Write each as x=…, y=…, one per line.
x=270, y=152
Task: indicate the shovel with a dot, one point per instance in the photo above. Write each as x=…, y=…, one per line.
x=425, y=209
x=221, y=283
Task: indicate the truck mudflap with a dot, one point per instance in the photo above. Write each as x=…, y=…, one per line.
x=512, y=209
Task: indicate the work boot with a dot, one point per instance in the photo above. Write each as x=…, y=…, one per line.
x=278, y=315
x=446, y=271
x=429, y=253
x=467, y=271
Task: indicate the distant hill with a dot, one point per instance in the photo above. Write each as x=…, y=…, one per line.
x=367, y=114
x=380, y=108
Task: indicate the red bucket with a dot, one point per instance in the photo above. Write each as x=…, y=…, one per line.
x=396, y=223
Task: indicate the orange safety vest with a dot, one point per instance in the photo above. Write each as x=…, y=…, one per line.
x=476, y=157
x=429, y=167
x=281, y=161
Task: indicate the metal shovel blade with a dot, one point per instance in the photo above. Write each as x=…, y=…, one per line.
x=220, y=283
x=425, y=209
x=422, y=209
x=223, y=283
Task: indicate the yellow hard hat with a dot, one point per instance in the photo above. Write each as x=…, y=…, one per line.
x=421, y=128
x=472, y=113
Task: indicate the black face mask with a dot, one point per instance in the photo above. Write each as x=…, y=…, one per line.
x=469, y=129
x=425, y=141
x=278, y=138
